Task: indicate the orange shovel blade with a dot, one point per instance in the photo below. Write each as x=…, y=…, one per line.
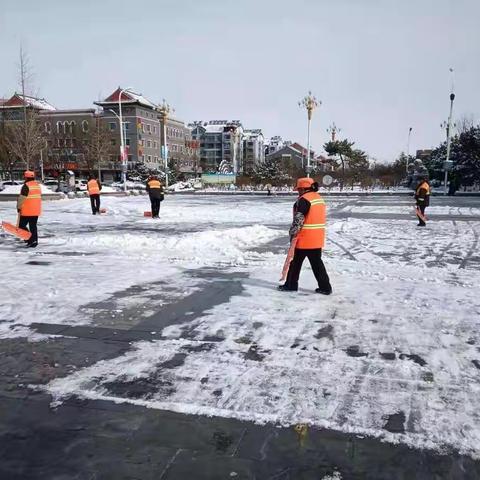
x=147, y=214
x=18, y=232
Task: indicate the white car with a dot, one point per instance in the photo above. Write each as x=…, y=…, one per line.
x=81, y=185
x=9, y=182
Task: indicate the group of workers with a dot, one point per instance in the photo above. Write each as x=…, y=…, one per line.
x=307, y=229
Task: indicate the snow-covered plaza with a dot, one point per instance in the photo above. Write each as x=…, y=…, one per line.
x=393, y=354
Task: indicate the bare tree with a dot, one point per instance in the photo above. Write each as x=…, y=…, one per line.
x=97, y=145
x=25, y=137
x=465, y=123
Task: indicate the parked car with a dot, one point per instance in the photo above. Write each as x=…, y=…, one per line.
x=81, y=185
x=9, y=182
x=53, y=185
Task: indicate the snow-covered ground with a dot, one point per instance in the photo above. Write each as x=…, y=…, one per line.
x=399, y=336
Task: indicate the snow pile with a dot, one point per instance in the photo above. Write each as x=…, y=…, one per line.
x=15, y=189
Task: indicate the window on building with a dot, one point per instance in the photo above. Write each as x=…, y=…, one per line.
x=154, y=129
x=155, y=159
x=149, y=128
x=149, y=159
x=112, y=126
x=85, y=126
x=149, y=143
x=127, y=141
x=155, y=145
x=48, y=127
x=126, y=125
x=71, y=127
x=59, y=126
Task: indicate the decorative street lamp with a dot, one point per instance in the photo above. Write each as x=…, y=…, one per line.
x=333, y=130
x=449, y=133
x=165, y=109
x=123, y=157
x=309, y=103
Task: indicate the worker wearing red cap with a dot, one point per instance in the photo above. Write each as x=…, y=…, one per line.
x=308, y=229
x=29, y=206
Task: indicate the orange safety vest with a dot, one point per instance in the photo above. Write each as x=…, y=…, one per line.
x=93, y=187
x=154, y=184
x=32, y=206
x=424, y=185
x=312, y=234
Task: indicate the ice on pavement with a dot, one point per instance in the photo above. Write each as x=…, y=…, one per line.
x=398, y=338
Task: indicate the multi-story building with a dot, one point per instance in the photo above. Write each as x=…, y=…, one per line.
x=220, y=142
x=289, y=156
x=145, y=130
x=253, y=150
x=275, y=143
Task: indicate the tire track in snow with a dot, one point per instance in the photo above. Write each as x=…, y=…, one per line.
x=472, y=249
x=447, y=248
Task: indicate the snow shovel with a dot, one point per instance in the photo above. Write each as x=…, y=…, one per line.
x=288, y=260
x=16, y=230
x=420, y=215
x=147, y=214
x=103, y=210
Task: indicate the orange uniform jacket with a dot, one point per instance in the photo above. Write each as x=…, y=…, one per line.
x=93, y=187
x=312, y=234
x=32, y=205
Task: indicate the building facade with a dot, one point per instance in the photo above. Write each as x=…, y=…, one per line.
x=220, y=144
x=253, y=150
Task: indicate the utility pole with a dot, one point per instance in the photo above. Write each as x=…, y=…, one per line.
x=309, y=103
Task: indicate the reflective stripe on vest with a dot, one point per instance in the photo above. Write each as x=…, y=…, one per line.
x=312, y=234
x=93, y=188
x=32, y=206
x=154, y=184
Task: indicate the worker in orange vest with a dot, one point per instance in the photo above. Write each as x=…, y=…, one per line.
x=29, y=206
x=155, y=192
x=93, y=188
x=422, y=198
x=308, y=231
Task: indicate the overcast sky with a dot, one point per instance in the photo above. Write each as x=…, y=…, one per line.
x=378, y=66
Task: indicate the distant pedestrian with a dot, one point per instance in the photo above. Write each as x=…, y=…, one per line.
x=268, y=186
x=29, y=207
x=155, y=192
x=422, y=197
x=308, y=233
x=93, y=188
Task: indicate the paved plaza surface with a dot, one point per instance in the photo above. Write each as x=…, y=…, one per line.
x=139, y=349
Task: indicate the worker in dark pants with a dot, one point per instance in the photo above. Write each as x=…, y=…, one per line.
x=29, y=207
x=93, y=188
x=308, y=231
x=155, y=192
x=422, y=198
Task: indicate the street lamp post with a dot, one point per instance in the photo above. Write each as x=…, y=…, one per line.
x=164, y=110
x=408, y=149
x=333, y=130
x=449, y=141
x=309, y=102
x=123, y=157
